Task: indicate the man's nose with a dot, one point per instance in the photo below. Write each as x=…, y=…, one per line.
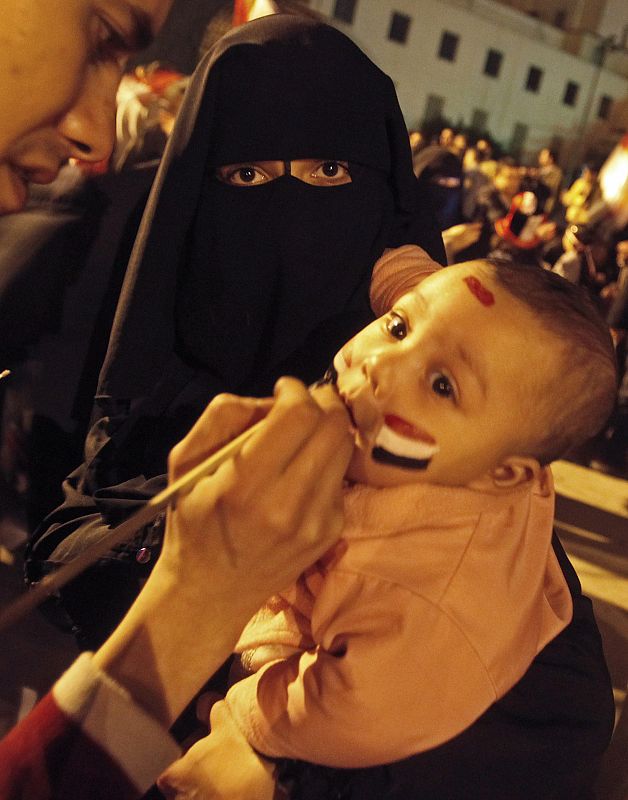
x=89, y=126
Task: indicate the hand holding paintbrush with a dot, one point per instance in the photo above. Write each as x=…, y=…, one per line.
x=274, y=478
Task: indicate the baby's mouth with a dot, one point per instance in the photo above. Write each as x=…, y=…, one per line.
x=396, y=441
x=401, y=444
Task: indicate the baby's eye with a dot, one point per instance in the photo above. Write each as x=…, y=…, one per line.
x=442, y=386
x=396, y=326
x=242, y=175
x=336, y=172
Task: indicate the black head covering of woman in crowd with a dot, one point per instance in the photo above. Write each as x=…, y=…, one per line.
x=230, y=287
x=440, y=176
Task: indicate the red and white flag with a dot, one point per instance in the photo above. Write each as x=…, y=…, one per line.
x=246, y=10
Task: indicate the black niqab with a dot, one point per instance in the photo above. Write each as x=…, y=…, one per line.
x=245, y=284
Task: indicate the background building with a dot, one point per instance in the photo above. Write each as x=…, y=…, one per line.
x=530, y=73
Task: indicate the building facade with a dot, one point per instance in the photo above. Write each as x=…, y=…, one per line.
x=527, y=78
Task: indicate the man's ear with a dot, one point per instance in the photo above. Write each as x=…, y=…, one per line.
x=513, y=471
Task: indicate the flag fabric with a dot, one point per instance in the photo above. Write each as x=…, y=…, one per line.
x=246, y=10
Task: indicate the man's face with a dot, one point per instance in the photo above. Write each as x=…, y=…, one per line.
x=438, y=387
x=545, y=157
x=446, y=137
x=60, y=63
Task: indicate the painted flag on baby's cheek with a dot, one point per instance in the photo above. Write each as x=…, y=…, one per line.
x=246, y=10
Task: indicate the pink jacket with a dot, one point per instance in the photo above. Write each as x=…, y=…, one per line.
x=441, y=601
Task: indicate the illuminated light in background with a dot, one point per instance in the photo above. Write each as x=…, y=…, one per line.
x=614, y=181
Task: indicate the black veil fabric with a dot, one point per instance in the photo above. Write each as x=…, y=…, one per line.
x=219, y=272
x=229, y=288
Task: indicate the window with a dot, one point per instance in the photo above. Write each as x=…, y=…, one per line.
x=533, y=81
x=479, y=120
x=493, y=63
x=433, y=107
x=604, y=108
x=518, y=139
x=556, y=145
x=448, y=46
x=344, y=10
x=570, y=98
x=399, y=27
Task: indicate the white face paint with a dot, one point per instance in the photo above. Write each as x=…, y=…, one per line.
x=399, y=438
x=389, y=438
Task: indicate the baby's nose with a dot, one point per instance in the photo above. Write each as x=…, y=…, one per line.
x=378, y=370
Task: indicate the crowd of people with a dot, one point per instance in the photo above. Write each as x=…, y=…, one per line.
x=497, y=207
x=344, y=554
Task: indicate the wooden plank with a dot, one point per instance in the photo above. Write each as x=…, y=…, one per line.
x=591, y=488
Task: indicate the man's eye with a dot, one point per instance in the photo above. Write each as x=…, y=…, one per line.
x=396, y=326
x=332, y=172
x=442, y=386
x=109, y=43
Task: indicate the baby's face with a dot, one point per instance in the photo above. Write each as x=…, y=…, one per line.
x=439, y=388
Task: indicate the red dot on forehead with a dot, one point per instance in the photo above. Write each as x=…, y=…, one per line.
x=481, y=292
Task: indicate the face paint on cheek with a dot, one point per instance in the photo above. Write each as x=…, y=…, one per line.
x=481, y=292
x=400, y=444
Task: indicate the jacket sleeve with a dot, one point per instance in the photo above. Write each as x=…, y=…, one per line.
x=102, y=492
x=85, y=739
x=390, y=675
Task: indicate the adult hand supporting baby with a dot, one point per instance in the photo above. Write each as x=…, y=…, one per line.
x=221, y=766
x=237, y=537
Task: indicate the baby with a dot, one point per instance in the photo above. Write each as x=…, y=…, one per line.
x=446, y=585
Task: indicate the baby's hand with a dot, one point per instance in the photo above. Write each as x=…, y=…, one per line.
x=222, y=766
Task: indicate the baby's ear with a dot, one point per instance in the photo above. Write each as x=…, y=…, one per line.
x=515, y=470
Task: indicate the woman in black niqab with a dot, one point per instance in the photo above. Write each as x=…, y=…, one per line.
x=251, y=283
x=230, y=287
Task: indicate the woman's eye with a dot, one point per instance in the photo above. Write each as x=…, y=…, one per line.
x=332, y=172
x=442, y=386
x=396, y=326
x=245, y=175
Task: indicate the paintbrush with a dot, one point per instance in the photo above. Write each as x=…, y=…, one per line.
x=51, y=583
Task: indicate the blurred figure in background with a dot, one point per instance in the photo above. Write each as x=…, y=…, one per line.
x=486, y=159
x=446, y=138
x=459, y=145
x=577, y=264
x=551, y=175
x=439, y=174
x=583, y=200
x=148, y=101
x=417, y=143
